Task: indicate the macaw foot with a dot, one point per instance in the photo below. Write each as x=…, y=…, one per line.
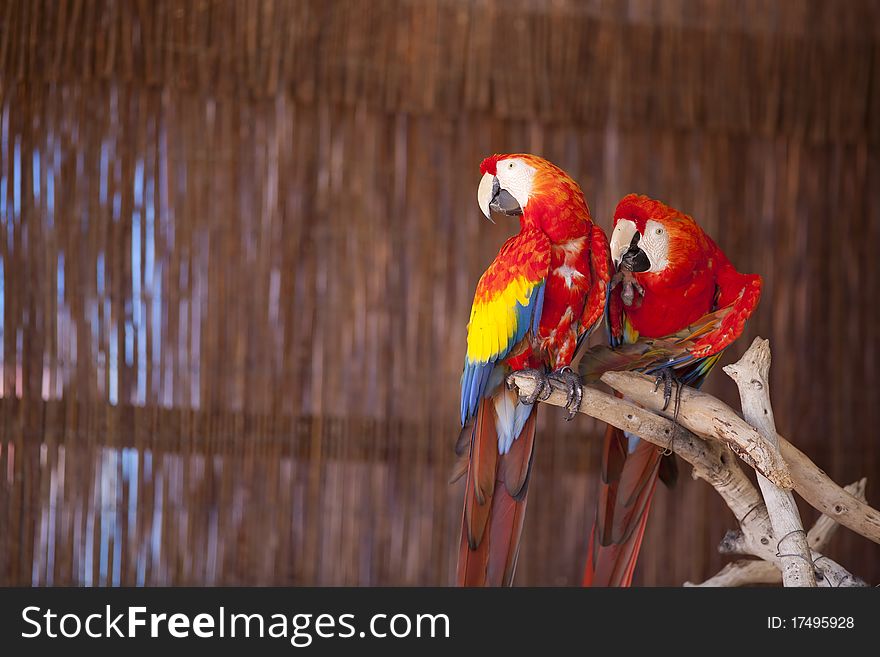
x=668, y=378
x=541, y=390
x=572, y=383
x=631, y=288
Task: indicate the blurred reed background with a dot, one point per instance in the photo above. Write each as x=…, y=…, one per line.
x=240, y=241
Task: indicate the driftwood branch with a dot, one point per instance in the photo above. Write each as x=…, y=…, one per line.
x=714, y=461
x=825, y=526
x=711, y=461
x=810, y=482
x=823, y=494
x=707, y=416
x=752, y=376
x=747, y=572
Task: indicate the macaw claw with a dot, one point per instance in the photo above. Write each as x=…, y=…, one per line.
x=631, y=291
x=668, y=378
x=575, y=392
x=542, y=388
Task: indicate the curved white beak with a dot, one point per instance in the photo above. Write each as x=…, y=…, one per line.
x=621, y=237
x=485, y=192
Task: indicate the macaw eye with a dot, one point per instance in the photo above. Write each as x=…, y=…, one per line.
x=659, y=231
x=510, y=166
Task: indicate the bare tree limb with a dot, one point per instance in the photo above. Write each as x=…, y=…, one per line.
x=707, y=416
x=751, y=373
x=746, y=572
x=823, y=494
x=825, y=527
x=810, y=482
x=711, y=460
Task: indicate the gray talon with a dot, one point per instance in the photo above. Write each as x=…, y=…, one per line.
x=667, y=377
x=542, y=386
x=578, y=398
x=575, y=392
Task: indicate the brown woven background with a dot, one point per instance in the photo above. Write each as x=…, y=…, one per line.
x=240, y=240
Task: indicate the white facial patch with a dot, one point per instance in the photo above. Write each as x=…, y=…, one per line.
x=516, y=177
x=621, y=238
x=655, y=243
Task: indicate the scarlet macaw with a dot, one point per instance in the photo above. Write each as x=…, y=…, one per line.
x=669, y=275
x=543, y=293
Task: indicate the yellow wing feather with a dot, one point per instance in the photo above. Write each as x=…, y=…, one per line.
x=493, y=322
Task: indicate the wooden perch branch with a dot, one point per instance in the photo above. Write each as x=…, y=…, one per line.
x=752, y=376
x=707, y=416
x=746, y=572
x=809, y=481
x=823, y=494
x=714, y=462
x=711, y=461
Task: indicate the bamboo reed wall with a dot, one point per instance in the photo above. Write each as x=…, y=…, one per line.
x=240, y=240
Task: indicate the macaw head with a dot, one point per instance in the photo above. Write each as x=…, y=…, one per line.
x=651, y=237
x=520, y=184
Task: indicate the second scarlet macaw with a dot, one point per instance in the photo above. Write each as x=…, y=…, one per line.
x=541, y=295
x=670, y=274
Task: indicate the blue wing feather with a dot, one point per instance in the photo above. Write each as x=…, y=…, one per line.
x=539, y=308
x=476, y=374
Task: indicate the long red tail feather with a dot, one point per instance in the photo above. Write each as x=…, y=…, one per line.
x=494, y=502
x=625, y=494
